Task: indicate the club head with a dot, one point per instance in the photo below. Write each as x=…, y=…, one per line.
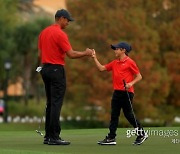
x=37, y=131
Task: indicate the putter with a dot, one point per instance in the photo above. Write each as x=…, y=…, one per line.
x=136, y=129
x=38, y=130
x=124, y=82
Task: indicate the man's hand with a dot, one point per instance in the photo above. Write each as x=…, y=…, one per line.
x=88, y=52
x=38, y=69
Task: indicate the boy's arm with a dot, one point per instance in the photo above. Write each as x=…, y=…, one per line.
x=137, y=78
x=98, y=64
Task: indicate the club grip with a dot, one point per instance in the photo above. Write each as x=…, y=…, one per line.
x=124, y=82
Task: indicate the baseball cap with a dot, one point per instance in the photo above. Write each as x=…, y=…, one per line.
x=122, y=45
x=64, y=13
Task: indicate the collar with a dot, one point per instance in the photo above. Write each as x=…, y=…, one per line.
x=55, y=24
x=123, y=60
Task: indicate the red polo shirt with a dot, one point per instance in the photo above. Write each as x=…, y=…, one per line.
x=124, y=69
x=53, y=44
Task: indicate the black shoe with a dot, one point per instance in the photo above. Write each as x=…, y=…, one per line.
x=140, y=139
x=46, y=140
x=107, y=141
x=58, y=142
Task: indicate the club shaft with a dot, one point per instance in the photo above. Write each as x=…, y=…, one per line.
x=38, y=131
x=124, y=82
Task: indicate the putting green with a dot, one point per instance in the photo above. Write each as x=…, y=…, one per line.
x=83, y=141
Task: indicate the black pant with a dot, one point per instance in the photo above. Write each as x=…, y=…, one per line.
x=120, y=100
x=55, y=86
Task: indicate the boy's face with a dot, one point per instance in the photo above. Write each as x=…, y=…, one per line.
x=119, y=52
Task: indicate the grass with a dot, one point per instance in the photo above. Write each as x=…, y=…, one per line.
x=16, y=139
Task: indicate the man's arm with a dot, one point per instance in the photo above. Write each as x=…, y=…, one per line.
x=38, y=65
x=77, y=54
x=39, y=58
x=98, y=64
x=137, y=78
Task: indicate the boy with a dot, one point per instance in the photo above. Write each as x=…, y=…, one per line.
x=123, y=69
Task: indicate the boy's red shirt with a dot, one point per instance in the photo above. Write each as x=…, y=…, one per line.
x=124, y=69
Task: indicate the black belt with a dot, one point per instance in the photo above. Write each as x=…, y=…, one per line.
x=49, y=64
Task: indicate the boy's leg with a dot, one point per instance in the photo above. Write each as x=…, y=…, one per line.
x=115, y=113
x=128, y=112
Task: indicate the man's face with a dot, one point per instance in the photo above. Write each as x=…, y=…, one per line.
x=63, y=22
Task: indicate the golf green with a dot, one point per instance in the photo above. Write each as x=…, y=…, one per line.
x=163, y=140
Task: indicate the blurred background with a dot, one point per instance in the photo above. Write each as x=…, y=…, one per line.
x=151, y=27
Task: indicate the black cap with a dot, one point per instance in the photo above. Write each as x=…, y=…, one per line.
x=64, y=13
x=122, y=45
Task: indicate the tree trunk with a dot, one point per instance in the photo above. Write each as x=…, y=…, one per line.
x=27, y=77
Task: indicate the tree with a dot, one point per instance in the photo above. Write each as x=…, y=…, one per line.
x=8, y=20
x=105, y=22
x=25, y=37
x=168, y=19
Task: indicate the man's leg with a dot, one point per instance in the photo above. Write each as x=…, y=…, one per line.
x=48, y=112
x=48, y=103
x=58, y=87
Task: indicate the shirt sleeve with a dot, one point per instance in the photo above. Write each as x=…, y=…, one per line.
x=134, y=68
x=109, y=66
x=64, y=43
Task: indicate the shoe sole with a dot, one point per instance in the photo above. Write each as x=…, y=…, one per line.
x=58, y=144
x=141, y=141
x=112, y=143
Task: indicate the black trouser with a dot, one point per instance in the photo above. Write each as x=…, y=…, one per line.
x=55, y=85
x=120, y=100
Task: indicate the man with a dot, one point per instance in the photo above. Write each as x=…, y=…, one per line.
x=53, y=45
x=123, y=69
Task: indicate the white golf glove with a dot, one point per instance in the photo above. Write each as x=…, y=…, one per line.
x=38, y=69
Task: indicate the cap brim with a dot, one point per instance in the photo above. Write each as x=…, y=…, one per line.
x=71, y=19
x=114, y=47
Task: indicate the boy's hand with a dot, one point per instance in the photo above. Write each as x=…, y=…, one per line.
x=128, y=85
x=93, y=53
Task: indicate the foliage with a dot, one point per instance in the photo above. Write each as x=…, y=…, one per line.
x=25, y=38
x=8, y=20
x=22, y=110
x=106, y=22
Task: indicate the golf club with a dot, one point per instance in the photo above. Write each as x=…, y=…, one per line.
x=124, y=82
x=38, y=69
x=38, y=130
